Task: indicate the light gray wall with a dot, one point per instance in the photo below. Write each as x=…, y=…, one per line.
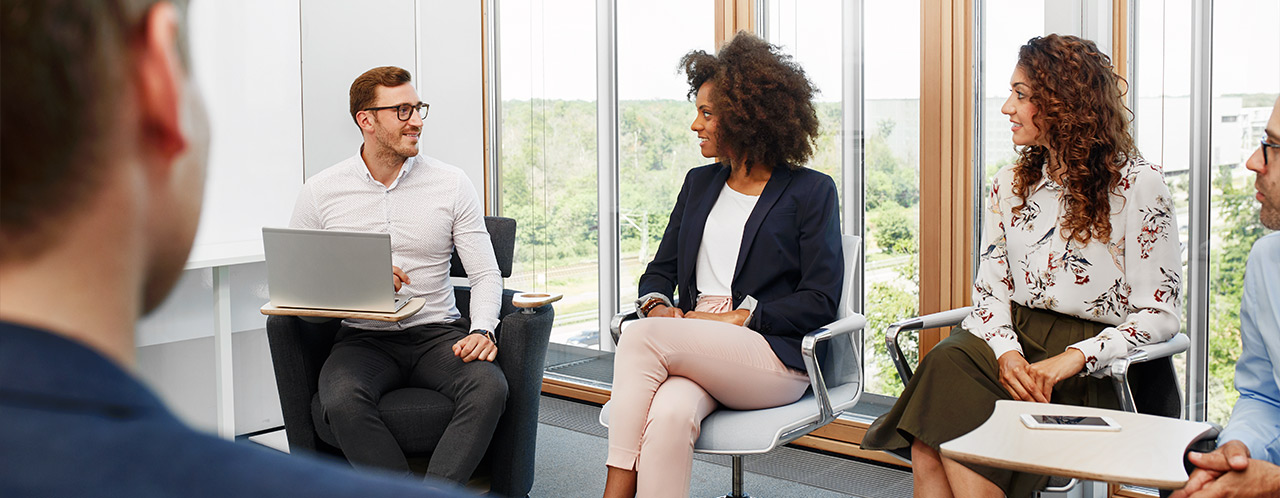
x=340, y=40
x=449, y=77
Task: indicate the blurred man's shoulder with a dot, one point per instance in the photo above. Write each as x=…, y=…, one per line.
x=73, y=423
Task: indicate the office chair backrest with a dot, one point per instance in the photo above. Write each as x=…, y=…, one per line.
x=502, y=233
x=842, y=360
x=1155, y=388
x=852, y=245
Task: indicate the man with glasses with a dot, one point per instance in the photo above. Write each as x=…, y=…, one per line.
x=1245, y=463
x=429, y=208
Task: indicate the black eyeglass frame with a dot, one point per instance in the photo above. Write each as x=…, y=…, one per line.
x=1267, y=145
x=403, y=110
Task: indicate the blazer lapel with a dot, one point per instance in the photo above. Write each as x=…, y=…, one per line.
x=695, y=220
x=772, y=192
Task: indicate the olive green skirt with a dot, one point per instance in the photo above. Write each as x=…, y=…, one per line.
x=958, y=383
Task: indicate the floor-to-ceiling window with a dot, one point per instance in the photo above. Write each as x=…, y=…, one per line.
x=1244, y=84
x=547, y=167
x=1239, y=99
x=885, y=165
x=655, y=145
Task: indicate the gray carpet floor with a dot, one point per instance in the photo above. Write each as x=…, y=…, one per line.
x=572, y=447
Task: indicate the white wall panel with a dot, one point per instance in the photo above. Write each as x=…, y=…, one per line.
x=450, y=78
x=246, y=63
x=248, y=294
x=182, y=374
x=340, y=40
x=186, y=314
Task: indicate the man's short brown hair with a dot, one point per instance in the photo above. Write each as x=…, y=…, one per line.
x=65, y=63
x=364, y=90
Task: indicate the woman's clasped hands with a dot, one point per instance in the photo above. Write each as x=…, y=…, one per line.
x=736, y=317
x=1034, y=381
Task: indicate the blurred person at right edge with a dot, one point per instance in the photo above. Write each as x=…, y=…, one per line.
x=1080, y=264
x=1245, y=463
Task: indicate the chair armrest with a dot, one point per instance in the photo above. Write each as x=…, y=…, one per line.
x=298, y=351
x=1119, y=368
x=949, y=318
x=808, y=349
x=522, y=351
x=615, y=324
x=526, y=301
x=1176, y=344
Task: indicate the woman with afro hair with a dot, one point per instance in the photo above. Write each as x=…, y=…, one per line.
x=752, y=250
x=1080, y=264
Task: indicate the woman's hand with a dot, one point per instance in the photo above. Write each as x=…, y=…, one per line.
x=664, y=310
x=1034, y=382
x=1015, y=378
x=736, y=317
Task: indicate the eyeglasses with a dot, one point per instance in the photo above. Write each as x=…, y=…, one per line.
x=403, y=111
x=1267, y=145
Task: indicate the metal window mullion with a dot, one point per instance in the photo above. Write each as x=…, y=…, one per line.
x=607, y=161
x=761, y=19
x=1197, y=381
x=979, y=126
x=1131, y=61
x=493, y=98
x=852, y=168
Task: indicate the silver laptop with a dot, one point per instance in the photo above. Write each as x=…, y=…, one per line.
x=327, y=269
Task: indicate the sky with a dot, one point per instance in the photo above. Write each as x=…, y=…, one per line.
x=548, y=46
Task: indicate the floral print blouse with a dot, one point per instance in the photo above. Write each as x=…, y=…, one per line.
x=1133, y=282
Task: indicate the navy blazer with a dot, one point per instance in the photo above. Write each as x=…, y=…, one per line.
x=73, y=423
x=791, y=259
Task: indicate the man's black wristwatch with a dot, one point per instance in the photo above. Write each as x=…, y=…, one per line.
x=488, y=334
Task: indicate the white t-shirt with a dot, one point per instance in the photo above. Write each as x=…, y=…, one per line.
x=721, y=239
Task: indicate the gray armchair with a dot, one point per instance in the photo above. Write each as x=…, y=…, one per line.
x=417, y=417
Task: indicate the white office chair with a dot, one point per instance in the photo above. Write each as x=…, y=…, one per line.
x=1167, y=402
x=835, y=386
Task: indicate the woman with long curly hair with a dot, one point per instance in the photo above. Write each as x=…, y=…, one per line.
x=753, y=250
x=1080, y=264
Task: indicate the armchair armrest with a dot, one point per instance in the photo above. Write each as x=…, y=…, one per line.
x=947, y=318
x=526, y=301
x=808, y=346
x=522, y=351
x=298, y=351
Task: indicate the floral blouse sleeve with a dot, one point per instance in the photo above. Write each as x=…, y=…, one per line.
x=1151, y=256
x=991, y=318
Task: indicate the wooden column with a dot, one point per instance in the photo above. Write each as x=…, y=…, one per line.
x=1120, y=55
x=733, y=16
x=946, y=159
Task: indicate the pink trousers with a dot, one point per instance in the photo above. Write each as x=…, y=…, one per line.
x=669, y=374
